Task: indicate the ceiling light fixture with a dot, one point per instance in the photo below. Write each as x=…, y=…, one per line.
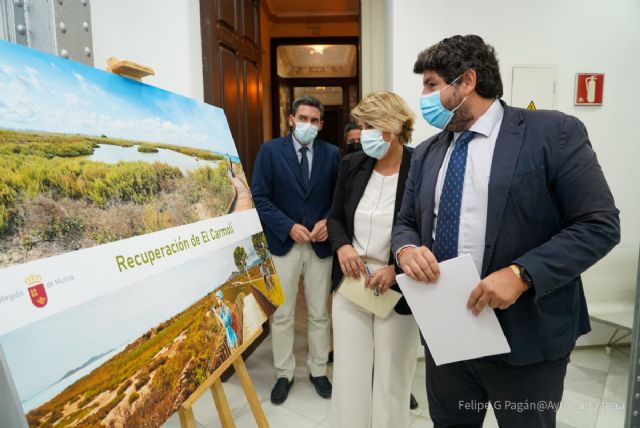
x=317, y=49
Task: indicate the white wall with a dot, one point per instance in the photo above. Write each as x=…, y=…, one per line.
x=576, y=36
x=161, y=34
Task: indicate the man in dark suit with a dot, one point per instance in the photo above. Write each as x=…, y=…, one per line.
x=352, y=138
x=292, y=187
x=523, y=193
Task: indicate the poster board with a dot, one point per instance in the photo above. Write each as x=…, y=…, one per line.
x=130, y=265
x=10, y=406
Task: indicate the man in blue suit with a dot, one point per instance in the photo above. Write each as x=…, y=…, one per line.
x=521, y=192
x=293, y=182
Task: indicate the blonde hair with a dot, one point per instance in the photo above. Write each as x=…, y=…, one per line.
x=386, y=111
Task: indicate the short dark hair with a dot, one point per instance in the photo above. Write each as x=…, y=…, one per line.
x=307, y=100
x=350, y=127
x=454, y=55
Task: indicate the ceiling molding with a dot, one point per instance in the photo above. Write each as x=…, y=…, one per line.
x=314, y=17
x=268, y=9
x=301, y=16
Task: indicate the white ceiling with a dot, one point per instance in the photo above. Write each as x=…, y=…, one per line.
x=317, y=61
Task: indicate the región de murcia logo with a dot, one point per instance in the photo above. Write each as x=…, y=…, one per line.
x=38, y=294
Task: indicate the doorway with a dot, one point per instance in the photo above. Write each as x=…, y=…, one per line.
x=326, y=68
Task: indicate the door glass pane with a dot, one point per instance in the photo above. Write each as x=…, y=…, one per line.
x=317, y=61
x=285, y=106
x=328, y=95
x=353, y=96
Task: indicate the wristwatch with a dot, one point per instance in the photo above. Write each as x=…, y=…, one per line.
x=522, y=274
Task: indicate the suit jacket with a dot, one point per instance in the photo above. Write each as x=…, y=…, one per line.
x=355, y=170
x=550, y=210
x=279, y=194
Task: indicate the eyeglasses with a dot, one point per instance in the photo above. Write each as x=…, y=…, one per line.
x=353, y=140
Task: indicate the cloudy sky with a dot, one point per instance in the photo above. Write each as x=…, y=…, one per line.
x=45, y=93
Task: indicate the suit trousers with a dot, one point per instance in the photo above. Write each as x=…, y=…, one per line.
x=374, y=361
x=302, y=260
x=521, y=396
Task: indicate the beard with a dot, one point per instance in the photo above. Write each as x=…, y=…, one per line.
x=462, y=117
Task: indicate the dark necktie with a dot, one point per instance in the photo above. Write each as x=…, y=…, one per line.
x=304, y=166
x=445, y=246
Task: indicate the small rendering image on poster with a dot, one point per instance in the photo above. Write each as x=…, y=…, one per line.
x=132, y=260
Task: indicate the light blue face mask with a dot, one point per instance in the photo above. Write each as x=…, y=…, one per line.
x=434, y=112
x=305, y=132
x=373, y=143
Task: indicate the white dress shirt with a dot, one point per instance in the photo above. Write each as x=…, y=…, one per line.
x=475, y=190
x=373, y=219
x=298, y=146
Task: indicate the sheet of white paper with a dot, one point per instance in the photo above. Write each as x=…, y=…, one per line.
x=451, y=331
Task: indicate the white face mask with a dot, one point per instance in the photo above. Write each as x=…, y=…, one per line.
x=373, y=143
x=305, y=132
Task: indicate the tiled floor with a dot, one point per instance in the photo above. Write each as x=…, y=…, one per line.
x=594, y=386
x=594, y=397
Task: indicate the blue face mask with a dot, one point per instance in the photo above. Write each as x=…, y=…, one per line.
x=305, y=132
x=373, y=144
x=434, y=112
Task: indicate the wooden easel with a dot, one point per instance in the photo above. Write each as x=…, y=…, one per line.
x=136, y=71
x=187, y=418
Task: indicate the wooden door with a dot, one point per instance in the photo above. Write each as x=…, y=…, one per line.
x=231, y=68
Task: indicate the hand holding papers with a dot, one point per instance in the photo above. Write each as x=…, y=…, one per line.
x=452, y=332
x=380, y=305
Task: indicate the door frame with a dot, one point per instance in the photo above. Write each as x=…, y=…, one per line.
x=343, y=82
